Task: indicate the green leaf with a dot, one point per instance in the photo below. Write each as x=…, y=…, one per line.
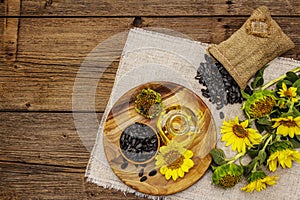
x=261, y=128
x=279, y=85
x=259, y=79
x=296, y=84
x=264, y=121
x=291, y=76
x=262, y=155
x=218, y=156
x=295, y=142
x=253, y=152
x=245, y=95
x=287, y=82
x=248, y=168
x=260, y=158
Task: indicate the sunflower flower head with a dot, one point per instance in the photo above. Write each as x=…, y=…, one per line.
x=290, y=93
x=282, y=153
x=259, y=104
x=287, y=126
x=239, y=135
x=174, y=160
x=227, y=175
x=148, y=103
x=258, y=180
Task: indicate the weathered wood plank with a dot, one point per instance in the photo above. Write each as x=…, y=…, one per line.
x=31, y=181
x=1, y=32
x=45, y=138
x=49, y=56
x=64, y=41
x=43, y=41
x=29, y=87
x=25, y=181
x=155, y=8
x=2, y=12
x=42, y=157
x=10, y=30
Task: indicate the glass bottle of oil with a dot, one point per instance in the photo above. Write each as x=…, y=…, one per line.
x=178, y=123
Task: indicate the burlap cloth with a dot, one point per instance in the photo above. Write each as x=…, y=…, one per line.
x=151, y=56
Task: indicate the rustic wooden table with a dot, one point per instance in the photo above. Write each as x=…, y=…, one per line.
x=43, y=44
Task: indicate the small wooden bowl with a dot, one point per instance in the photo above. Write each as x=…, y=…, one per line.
x=146, y=160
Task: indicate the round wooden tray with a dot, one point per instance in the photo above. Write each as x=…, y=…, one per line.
x=123, y=114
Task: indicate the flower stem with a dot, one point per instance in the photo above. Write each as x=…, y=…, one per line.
x=265, y=136
x=232, y=160
x=297, y=69
x=267, y=142
x=254, y=168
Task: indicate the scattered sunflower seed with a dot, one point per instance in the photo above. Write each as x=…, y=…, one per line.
x=144, y=178
x=221, y=88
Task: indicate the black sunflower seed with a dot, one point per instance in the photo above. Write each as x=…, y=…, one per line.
x=221, y=88
x=124, y=165
x=144, y=178
x=152, y=172
x=141, y=173
x=222, y=115
x=138, y=142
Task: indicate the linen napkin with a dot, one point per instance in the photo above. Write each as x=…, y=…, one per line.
x=152, y=56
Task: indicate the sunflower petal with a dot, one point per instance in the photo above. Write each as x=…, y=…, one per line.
x=188, y=162
x=174, y=175
x=180, y=172
x=184, y=168
x=188, y=154
x=163, y=169
x=168, y=174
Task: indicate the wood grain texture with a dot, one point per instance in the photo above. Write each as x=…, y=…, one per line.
x=32, y=181
x=2, y=12
x=2, y=54
x=155, y=8
x=41, y=155
x=123, y=114
x=49, y=57
x=43, y=41
x=44, y=139
x=10, y=30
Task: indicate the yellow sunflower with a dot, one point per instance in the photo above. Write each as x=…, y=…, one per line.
x=238, y=135
x=282, y=153
x=288, y=92
x=284, y=158
x=174, y=160
x=287, y=126
x=259, y=181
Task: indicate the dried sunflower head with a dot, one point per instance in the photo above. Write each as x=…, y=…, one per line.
x=227, y=175
x=259, y=104
x=148, y=103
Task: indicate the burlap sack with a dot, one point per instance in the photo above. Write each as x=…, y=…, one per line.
x=256, y=43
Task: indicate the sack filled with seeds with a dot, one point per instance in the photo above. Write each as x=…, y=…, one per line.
x=256, y=43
